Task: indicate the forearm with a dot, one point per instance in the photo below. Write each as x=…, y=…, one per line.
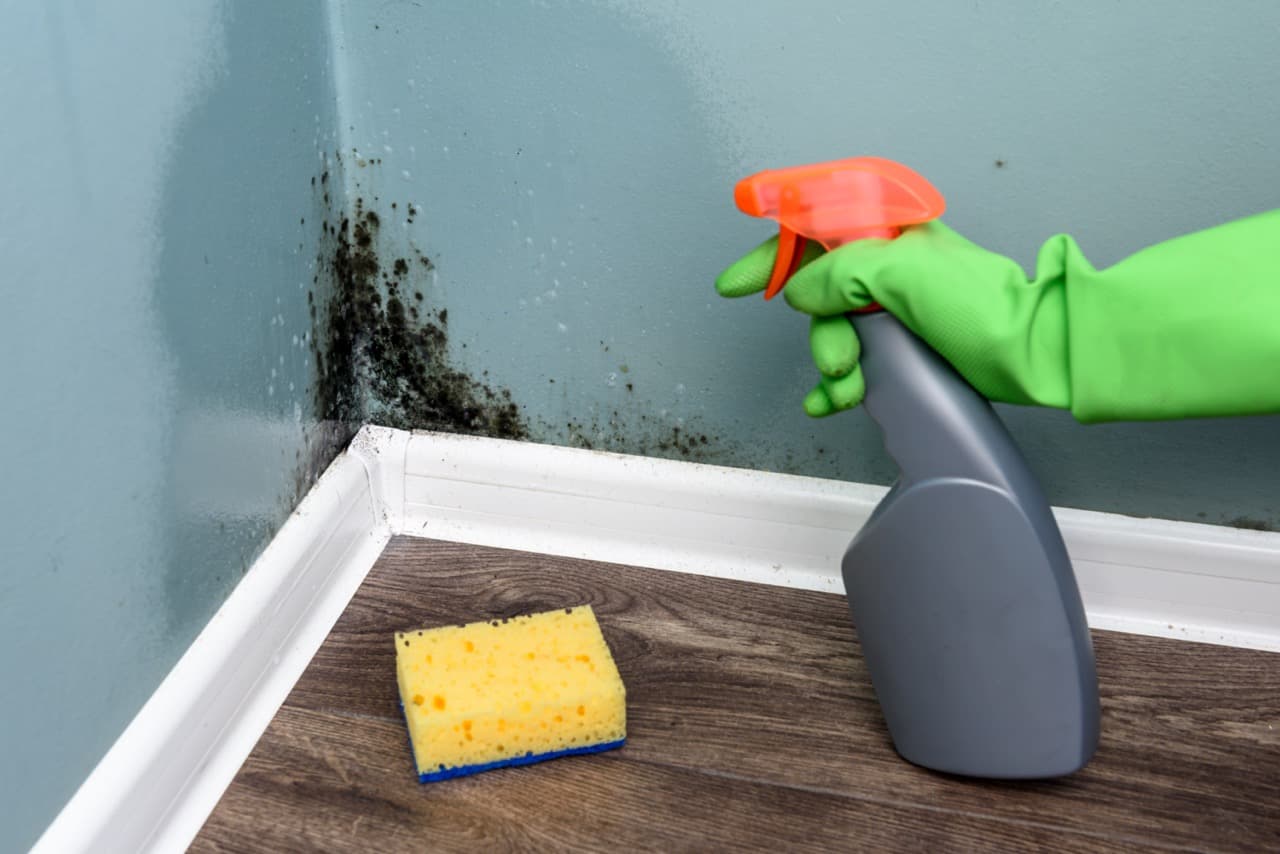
x=1185, y=328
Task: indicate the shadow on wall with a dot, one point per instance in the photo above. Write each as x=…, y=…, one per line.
x=239, y=223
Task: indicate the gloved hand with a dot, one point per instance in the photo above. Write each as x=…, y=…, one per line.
x=1189, y=327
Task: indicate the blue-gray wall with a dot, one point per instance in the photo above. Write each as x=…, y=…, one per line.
x=155, y=360
x=574, y=163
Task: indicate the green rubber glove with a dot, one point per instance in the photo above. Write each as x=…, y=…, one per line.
x=1189, y=327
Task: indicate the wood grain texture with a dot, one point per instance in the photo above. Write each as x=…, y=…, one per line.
x=751, y=723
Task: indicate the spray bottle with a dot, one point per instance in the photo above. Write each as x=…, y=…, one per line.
x=959, y=584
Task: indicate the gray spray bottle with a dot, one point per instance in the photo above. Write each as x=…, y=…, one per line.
x=959, y=584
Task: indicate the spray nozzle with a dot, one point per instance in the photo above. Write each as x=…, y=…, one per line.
x=834, y=203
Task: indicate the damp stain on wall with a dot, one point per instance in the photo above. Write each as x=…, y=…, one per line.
x=381, y=350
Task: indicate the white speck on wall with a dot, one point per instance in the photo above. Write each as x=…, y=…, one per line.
x=406, y=176
x=388, y=149
x=613, y=380
x=562, y=328
x=679, y=388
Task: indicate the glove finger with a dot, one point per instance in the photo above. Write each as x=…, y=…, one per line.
x=750, y=274
x=847, y=391
x=828, y=285
x=817, y=404
x=835, y=394
x=834, y=345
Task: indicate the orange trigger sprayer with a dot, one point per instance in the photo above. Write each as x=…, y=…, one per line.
x=959, y=584
x=835, y=203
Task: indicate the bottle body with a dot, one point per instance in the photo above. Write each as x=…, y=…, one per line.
x=959, y=585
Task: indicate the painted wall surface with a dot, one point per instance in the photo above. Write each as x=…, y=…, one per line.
x=154, y=348
x=570, y=166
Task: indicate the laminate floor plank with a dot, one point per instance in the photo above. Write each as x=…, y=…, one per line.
x=320, y=784
x=740, y=697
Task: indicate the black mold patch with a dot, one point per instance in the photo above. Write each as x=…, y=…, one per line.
x=379, y=360
x=617, y=433
x=1251, y=524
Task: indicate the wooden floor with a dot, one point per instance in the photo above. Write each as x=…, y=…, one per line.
x=751, y=724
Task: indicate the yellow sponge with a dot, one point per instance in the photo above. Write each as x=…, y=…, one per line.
x=509, y=692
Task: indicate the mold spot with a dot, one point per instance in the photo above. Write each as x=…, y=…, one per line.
x=423, y=259
x=378, y=360
x=619, y=433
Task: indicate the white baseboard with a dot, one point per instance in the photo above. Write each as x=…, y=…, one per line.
x=1148, y=576
x=159, y=782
